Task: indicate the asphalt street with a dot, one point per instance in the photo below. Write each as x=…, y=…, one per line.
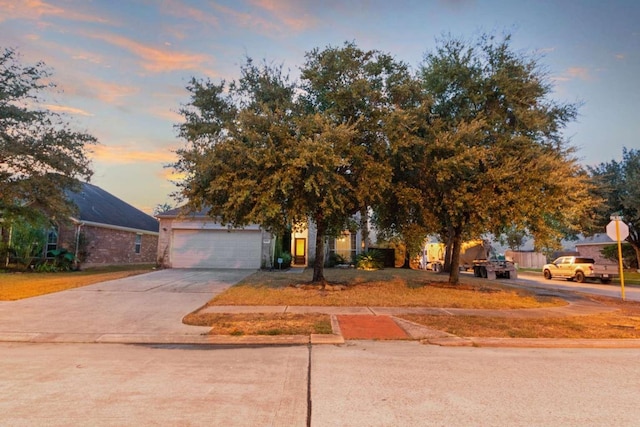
x=632, y=293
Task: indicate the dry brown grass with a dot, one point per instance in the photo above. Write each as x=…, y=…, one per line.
x=15, y=286
x=382, y=288
x=624, y=323
x=262, y=324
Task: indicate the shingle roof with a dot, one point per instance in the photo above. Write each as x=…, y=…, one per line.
x=96, y=205
x=600, y=238
x=181, y=211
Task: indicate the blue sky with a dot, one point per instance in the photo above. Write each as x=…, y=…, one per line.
x=122, y=65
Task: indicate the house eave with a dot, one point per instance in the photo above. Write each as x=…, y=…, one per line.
x=114, y=227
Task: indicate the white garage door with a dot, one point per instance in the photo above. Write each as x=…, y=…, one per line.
x=216, y=249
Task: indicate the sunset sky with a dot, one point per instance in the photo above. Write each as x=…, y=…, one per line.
x=122, y=65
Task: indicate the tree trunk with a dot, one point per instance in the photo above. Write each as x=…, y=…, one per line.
x=454, y=274
x=364, y=228
x=448, y=250
x=637, y=249
x=318, y=264
x=446, y=267
x=407, y=258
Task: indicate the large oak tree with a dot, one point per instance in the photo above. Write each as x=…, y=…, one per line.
x=267, y=150
x=483, y=150
x=618, y=183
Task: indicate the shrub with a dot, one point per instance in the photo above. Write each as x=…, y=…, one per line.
x=629, y=258
x=335, y=259
x=60, y=260
x=371, y=260
x=286, y=260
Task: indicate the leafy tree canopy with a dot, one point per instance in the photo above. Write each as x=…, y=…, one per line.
x=618, y=183
x=268, y=150
x=40, y=156
x=482, y=150
x=471, y=144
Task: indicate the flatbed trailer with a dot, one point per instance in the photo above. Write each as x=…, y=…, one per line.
x=493, y=268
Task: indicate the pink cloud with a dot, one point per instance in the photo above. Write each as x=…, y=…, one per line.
x=153, y=59
x=68, y=110
x=112, y=93
x=573, y=73
x=289, y=13
x=125, y=154
x=578, y=73
x=37, y=9
x=181, y=10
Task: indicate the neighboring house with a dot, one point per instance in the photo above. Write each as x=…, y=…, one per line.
x=106, y=231
x=196, y=240
x=591, y=246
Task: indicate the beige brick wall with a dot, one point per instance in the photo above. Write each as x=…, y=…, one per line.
x=593, y=251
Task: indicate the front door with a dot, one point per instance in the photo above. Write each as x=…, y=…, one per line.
x=300, y=251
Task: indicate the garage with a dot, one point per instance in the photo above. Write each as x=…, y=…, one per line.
x=216, y=249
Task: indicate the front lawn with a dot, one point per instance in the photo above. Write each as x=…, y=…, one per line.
x=381, y=288
x=262, y=323
x=15, y=286
x=624, y=323
x=408, y=288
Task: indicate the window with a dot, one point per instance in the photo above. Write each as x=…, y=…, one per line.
x=138, y=243
x=344, y=246
x=52, y=241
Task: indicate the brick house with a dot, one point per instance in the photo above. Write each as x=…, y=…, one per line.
x=106, y=231
x=591, y=246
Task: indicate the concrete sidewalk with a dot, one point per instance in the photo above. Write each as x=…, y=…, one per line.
x=577, y=306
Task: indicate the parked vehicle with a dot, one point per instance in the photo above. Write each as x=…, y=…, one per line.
x=495, y=267
x=579, y=269
x=477, y=255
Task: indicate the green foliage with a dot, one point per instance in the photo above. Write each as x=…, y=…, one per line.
x=372, y=260
x=471, y=144
x=513, y=238
x=63, y=260
x=618, y=184
x=41, y=157
x=28, y=239
x=286, y=260
x=629, y=259
x=282, y=253
x=267, y=150
x=161, y=208
x=323, y=327
x=481, y=149
x=336, y=259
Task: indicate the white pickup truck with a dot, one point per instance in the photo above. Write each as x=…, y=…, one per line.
x=579, y=269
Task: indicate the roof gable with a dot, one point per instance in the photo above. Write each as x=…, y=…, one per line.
x=182, y=211
x=596, y=239
x=96, y=205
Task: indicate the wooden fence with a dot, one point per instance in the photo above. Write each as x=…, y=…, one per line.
x=527, y=259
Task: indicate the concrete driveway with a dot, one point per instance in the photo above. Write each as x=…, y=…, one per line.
x=151, y=304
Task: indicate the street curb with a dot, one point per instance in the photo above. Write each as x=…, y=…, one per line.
x=533, y=342
x=430, y=337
